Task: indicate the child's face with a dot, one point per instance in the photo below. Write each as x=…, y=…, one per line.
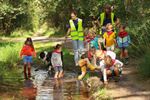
x=93, y=51
x=28, y=43
x=121, y=29
x=110, y=27
x=60, y=49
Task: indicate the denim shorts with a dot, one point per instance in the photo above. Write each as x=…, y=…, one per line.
x=58, y=68
x=27, y=59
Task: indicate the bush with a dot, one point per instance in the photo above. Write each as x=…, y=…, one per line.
x=144, y=67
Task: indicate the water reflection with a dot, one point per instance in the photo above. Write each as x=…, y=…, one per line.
x=68, y=88
x=29, y=90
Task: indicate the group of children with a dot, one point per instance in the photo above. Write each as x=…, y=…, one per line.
x=28, y=51
x=99, y=55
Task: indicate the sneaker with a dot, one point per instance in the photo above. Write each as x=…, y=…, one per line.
x=126, y=61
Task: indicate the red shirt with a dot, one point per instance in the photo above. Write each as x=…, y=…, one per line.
x=28, y=51
x=89, y=38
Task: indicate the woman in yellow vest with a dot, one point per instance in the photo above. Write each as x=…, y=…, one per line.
x=75, y=29
x=107, y=17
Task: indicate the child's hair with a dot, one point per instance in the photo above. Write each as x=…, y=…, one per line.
x=83, y=56
x=108, y=60
x=123, y=26
x=58, y=46
x=92, y=32
x=29, y=42
x=42, y=55
x=109, y=25
x=74, y=12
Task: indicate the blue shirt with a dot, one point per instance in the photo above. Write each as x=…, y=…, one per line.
x=94, y=43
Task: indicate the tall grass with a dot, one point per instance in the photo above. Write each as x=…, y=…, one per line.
x=140, y=47
x=9, y=57
x=144, y=66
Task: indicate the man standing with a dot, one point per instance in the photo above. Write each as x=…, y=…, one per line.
x=75, y=29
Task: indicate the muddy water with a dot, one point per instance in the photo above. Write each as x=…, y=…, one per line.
x=44, y=87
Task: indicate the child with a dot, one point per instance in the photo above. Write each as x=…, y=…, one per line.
x=110, y=67
x=109, y=37
x=56, y=61
x=123, y=41
x=84, y=63
x=27, y=52
x=88, y=38
x=94, y=43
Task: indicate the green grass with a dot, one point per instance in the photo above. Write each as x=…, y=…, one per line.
x=9, y=58
x=101, y=94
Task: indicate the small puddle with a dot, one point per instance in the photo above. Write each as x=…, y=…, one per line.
x=43, y=87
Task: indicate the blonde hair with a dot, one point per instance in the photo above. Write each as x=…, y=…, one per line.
x=108, y=26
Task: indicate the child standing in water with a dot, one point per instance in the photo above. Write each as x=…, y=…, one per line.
x=56, y=61
x=26, y=53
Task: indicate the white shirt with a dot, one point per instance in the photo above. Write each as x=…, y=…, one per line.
x=56, y=59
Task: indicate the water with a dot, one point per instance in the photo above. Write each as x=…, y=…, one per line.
x=43, y=87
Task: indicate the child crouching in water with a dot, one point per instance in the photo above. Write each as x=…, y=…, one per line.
x=26, y=53
x=56, y=61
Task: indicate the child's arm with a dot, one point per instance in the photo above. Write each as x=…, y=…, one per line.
x=33, y=52
x=129, y=39
x=52, y=60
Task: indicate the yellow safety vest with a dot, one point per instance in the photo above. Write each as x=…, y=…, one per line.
x=76, y=34
x=102, y=18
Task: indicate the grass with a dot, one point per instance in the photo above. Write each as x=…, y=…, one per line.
x=101, y=95
x=9, y=58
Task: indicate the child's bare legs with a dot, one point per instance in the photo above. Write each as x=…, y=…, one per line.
x=83, y=72
x=56, y=74
x=60, y=74
x=25, y=73
x=116, y=71
x=124, y=55
x=29, y=70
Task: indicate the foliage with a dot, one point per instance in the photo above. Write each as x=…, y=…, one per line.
x=144, y=66
x=9, y=58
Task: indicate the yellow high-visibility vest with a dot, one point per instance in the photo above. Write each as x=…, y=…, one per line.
x=102, y=18
x=76, y=34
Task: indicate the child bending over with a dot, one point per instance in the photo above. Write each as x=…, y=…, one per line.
x=110, y=67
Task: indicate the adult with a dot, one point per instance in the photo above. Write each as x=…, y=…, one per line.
x=75, y=29
x=107, y=17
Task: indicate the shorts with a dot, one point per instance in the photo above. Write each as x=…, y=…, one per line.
x=58, y=68
x=110, y=48
x=27, y=59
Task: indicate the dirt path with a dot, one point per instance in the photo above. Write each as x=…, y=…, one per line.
x=130, y=87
